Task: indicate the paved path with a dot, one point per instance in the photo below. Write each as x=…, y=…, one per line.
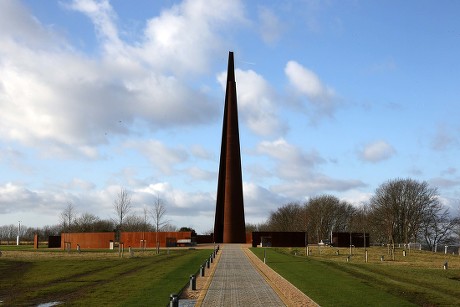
x=237, y=283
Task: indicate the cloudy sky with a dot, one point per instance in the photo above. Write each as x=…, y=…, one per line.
x=334, y=97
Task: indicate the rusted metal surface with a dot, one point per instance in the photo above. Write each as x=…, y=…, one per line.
x=133, y=239
x=87, y=240
x=229, y=224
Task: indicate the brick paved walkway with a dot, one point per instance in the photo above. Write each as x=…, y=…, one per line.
x=237, y=283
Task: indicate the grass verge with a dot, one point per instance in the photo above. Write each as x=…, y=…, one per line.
x=95, y=278
x=327, y=278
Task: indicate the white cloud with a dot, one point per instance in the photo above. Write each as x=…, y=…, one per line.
x=315, y=184
x=103, y=17
x=256, y=103
x=18, y=26
x=376, y=152
x=297, y=171
x=449, y=171
x=292, y=163
x=197, y=173
x=165, y=159
x=322, y=99
x=185, y=37
x=191, y=209
x=11, y=194
x=200, y=152
x=81, y=184
x=443, y=139
x=15, y=198
x=80, y=103
x=444, y=183
x=356, y=197
x=259, y=202
x=271, y=27
x=183, y=208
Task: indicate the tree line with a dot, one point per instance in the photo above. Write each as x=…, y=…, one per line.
x=153, y=218
x=400, y=211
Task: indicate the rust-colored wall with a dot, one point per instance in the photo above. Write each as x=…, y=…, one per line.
x=133, y=239
x=248, y=237
x=88, y=240
x=35, y=241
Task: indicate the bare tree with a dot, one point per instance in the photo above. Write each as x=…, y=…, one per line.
x=68, y=216
x=158, y=213
x=326, y=213
x=399, y=207
x=86, y=222
x=288, y=217
x=134, y=223
x=122, y=206
x=145, y=226
x=438, y=227
x=169, y=227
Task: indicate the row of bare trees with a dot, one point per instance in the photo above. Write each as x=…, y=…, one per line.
x=152, y=218
x=400, y=211
x=8, y=233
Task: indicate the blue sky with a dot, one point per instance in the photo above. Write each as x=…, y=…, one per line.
x=334, y=97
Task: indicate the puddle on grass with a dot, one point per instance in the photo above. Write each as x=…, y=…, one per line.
x=49, y=304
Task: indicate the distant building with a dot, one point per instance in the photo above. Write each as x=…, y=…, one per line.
x=133, y=239
x=279, y=239
x=345, y=239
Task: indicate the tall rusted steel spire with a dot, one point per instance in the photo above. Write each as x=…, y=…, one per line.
x=229, y=224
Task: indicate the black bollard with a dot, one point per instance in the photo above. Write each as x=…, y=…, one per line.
x=192, y=282
x=210, y=258
x=173, y=300
x=208, y=264
x=202, y=270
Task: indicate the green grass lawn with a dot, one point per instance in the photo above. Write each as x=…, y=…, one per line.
x=417, y=279
x=95, y=278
